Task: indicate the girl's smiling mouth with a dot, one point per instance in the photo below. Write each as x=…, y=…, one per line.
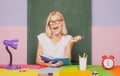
x=55, y=28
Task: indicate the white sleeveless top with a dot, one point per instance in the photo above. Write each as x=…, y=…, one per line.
x=55, y=50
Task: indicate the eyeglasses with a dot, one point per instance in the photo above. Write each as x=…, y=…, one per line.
x=56, y=21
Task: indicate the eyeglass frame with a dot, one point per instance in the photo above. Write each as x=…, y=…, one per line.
x=55, y=21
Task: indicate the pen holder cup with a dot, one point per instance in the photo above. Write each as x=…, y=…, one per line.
x=83, y=63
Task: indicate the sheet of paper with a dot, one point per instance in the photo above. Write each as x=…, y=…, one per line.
x=47, y=70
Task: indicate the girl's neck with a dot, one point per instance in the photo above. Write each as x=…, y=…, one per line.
x=56, y=36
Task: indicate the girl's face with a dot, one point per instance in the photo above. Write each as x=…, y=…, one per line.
x=56, y=24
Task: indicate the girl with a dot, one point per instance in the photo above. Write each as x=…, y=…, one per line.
x=55, y=42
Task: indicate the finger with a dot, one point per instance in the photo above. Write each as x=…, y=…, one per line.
x=50, y=62
x=81, y=37
x=75, y=39
x=59, y=63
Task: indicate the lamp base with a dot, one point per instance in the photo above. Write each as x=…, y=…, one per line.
x=11, y=67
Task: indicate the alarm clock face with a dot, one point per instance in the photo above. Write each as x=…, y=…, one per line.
x=108, y=63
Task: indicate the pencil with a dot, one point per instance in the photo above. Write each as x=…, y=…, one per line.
x=84, y=55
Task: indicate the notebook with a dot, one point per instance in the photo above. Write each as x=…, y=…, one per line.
x=66, y=61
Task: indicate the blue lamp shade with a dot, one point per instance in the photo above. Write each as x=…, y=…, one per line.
x=11, y=43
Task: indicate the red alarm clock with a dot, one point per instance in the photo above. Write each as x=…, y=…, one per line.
x=108, y=62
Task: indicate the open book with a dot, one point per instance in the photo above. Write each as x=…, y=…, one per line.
x=66, y=61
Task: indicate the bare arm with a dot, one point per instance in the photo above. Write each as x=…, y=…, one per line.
x=68, y=49
x=38, y=58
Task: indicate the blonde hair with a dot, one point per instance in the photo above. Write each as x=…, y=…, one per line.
x=48, y=30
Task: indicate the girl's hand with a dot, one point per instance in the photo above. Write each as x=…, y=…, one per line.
x=75, y=39
x=49, y=63
x=58, y=64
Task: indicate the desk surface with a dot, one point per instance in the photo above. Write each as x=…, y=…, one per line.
x=73, y=69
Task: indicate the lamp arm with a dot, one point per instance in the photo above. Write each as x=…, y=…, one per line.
x=9, y=54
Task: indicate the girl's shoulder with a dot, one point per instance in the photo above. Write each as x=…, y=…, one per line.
x=67, y=36
x=42, y=35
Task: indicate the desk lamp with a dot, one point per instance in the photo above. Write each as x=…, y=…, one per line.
x=13, y=44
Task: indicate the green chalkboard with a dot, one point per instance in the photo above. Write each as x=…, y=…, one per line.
x=77, y=15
